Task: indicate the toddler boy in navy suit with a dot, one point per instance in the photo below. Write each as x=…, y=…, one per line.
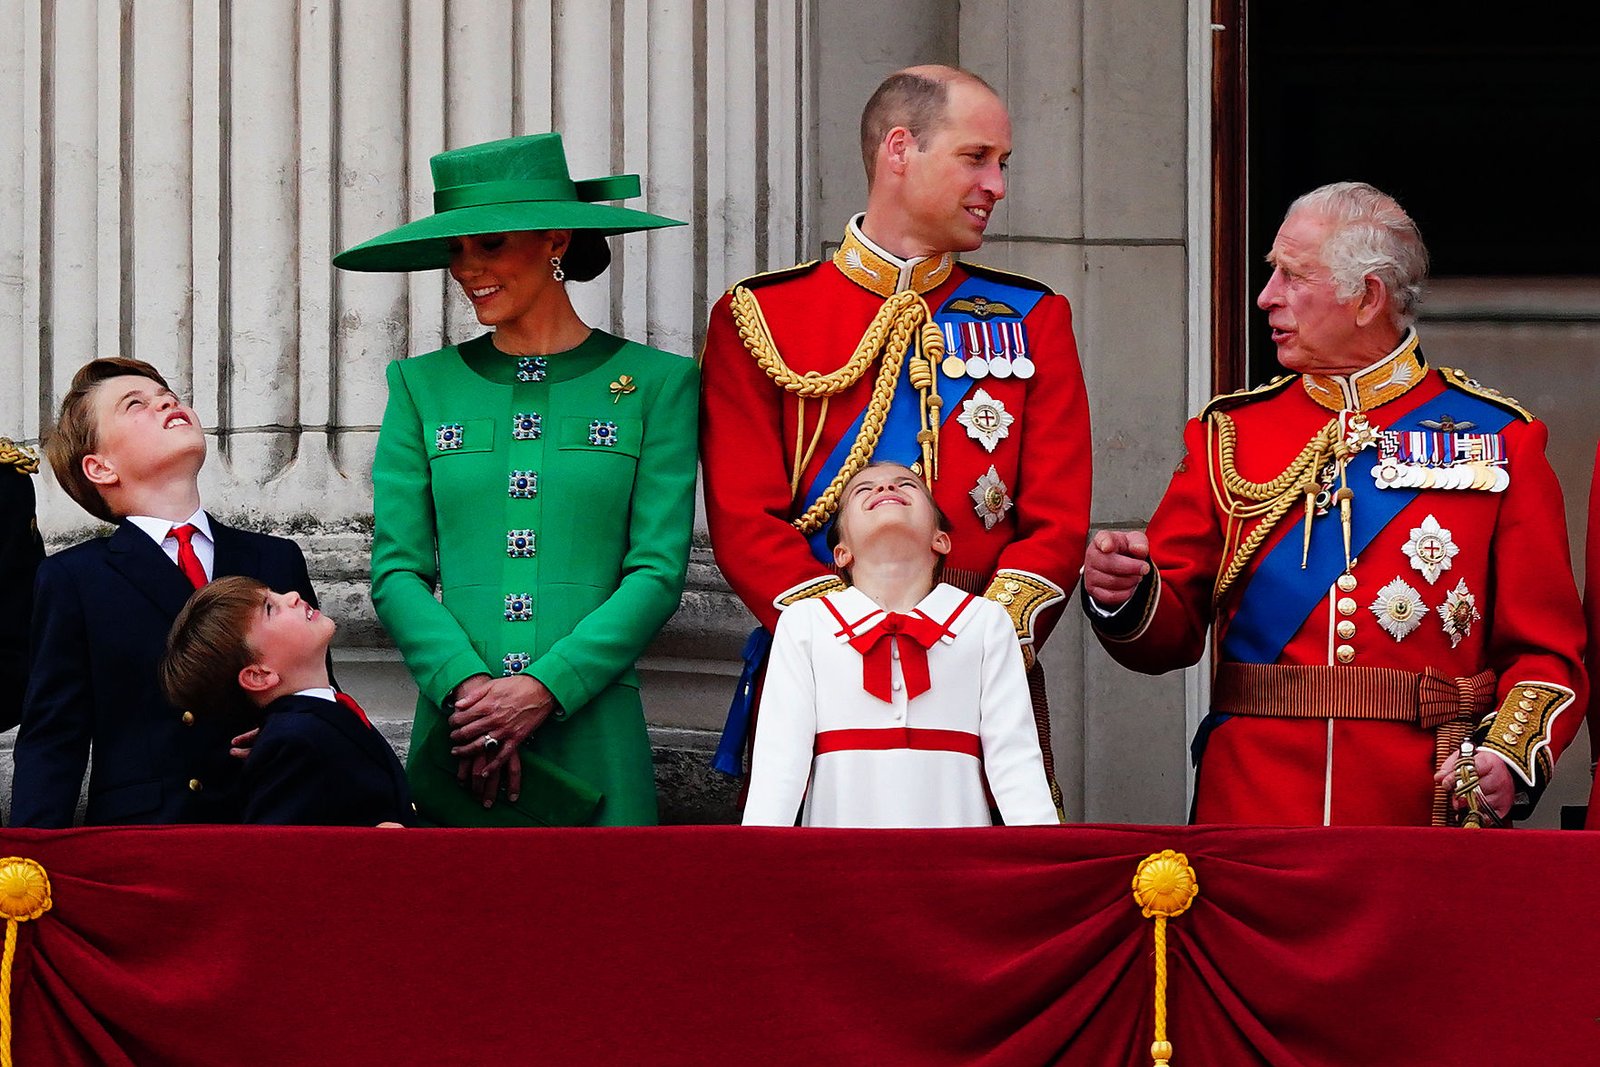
x=129, y=451
x=240, y=651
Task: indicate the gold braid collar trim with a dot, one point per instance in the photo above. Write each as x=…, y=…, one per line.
x=1379, y=383
x=903, y=319
x=1242, y=500
x=21, y=457
x=821, y=585
x=878, y=272
x=1023, y=594
x=1520, y=730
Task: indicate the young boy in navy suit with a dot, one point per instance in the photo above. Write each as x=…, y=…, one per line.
x=241, y=652
x=128, y=450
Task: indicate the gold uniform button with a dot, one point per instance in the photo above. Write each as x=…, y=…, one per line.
x=1346, y=606
x=1520, y=716
x=1514, y=729
x=1347, y=582
x=1344, y=653
x=1013, y=587
x=195, y=786
x=1346, y=629
x=188, y=718
x=1525, y=705
x=1531, y=694
x=1005, y=598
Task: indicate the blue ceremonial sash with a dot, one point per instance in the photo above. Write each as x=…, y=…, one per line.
x=1279, y=596
x=736, y=728
x=898, y=442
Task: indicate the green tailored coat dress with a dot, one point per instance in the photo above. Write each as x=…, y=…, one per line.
x=550, y=502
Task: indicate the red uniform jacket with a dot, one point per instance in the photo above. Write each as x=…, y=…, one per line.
x=816, y=315
x=1501, y=598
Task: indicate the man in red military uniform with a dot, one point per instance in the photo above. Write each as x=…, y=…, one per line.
x=1379, y=549
x=894, y=350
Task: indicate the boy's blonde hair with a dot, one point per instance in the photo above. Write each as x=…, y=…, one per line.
x=76, y=433
x=208, y=646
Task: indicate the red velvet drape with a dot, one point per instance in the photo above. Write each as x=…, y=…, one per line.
x=723, y=945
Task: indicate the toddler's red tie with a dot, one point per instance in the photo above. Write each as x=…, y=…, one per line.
x=350, y=702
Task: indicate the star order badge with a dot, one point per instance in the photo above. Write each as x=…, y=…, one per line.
x=1430, y=549
x=1399, y=609
x=986, y=419
x=1459, y=611
x=990, y=498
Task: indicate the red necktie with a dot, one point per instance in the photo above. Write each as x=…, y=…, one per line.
x=188, y=562
x=350, y=702
x=916, y=634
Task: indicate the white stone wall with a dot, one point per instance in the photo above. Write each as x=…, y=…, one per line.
x=1100, y=205
x=175, y=176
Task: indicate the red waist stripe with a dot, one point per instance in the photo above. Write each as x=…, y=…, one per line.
x=899, y=737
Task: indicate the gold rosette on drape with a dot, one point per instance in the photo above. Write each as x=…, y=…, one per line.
x=1164, y=886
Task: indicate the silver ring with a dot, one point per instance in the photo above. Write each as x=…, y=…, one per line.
x=491, y=745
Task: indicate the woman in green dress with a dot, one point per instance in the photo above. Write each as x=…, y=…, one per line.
x=540, y=479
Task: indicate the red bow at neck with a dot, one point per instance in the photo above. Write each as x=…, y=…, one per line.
x=914, y=635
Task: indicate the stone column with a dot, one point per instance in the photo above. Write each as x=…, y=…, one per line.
x=176, y=175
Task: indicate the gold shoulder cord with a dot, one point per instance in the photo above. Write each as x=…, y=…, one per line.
x=1242, y=500
x=904, y=317
x=18, y=456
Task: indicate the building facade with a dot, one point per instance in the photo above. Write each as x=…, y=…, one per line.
x=176, y=176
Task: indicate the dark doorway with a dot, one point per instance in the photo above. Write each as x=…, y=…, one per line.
x=1478, y=120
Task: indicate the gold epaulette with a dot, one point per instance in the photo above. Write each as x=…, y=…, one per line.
x=1467, y=384
x=756, y=281
x=19, y=456
x=1021, y=281
x=1224, y=401
x=821, y=585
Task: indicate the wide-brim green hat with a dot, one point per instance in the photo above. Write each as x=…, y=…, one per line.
x=519, y=183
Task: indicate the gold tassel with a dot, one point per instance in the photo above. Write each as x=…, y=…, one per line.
x=1164, y=886
x=24, y=896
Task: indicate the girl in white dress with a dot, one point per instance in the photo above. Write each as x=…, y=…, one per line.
x=891, y=703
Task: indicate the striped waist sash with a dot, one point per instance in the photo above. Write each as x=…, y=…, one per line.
x=1284, y=691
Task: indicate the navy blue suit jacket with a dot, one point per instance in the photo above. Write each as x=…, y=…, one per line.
x=101, y=614
x=316, y=764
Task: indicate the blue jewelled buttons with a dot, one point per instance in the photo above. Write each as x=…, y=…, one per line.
x=523, y=485
x=532, y=368
x=448, y=436
x=519, y=544
x=519, y=607
x=603, y=432
x=515, y=663
x=527, y=426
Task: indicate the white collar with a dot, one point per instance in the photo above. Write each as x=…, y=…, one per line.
x=160, y=529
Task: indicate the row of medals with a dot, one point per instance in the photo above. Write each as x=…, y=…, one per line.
x=996, y=358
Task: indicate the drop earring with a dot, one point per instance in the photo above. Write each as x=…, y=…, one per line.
x=555, y=269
